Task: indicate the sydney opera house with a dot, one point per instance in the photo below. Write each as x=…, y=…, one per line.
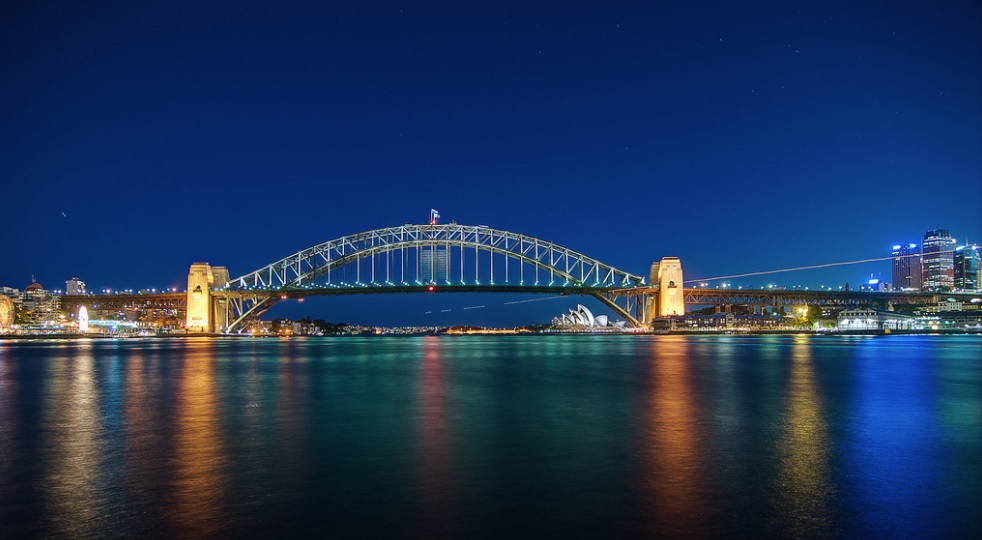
x=582, y=317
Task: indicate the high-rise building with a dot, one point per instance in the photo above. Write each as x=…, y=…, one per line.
x=74, y=287
x=966, y=261
x=906, y=267
x=937, y=260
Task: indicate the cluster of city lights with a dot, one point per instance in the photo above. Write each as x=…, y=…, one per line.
x=110, y=290
x=768, y=287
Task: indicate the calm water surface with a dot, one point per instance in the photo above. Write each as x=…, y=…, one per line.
x=573, y=436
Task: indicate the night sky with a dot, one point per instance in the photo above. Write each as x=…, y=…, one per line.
x=139, y=137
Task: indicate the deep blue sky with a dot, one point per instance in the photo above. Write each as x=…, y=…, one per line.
x=738, y=136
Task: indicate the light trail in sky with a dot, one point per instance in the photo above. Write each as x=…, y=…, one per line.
x=533, y=300
x=797, y=268
x=504, y=303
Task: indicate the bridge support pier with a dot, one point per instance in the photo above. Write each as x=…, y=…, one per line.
x=205, y=313
x=669, y=301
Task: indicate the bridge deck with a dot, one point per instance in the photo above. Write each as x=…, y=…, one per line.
x=294, y=293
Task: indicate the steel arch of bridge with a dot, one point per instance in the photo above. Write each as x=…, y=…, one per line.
x=364, y=263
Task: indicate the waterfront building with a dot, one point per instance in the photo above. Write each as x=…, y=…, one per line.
x=966, y=261
x=951, y=320
x=873, y=319
x=13, y=294
x=948, y=304
x=906, y=267
x=937, y=260
x=712, y=321
x=74, y=287
x=38, y=305
x=582, y=317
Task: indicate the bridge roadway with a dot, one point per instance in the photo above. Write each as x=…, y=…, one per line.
x=695, y=295
x=341, y=290
x=783, y=297
x=71, y=303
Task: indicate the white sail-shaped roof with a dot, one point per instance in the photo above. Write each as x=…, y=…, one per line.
x=587, y=314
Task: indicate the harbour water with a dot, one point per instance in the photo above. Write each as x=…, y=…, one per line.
x=571, y=436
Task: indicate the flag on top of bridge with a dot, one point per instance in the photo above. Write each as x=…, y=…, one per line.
x=434, y=215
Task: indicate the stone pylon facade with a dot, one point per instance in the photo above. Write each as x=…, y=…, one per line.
x=203, y=314
x=670, y=300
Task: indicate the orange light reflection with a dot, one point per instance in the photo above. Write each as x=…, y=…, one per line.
x=677, y=481
x=200, y=460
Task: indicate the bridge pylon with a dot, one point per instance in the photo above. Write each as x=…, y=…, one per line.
x=669, y=299
x=205, y=312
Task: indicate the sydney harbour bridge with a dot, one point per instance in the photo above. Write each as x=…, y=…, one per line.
x=439, y=258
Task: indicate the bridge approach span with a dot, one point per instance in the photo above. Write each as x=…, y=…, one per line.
x=785, y=297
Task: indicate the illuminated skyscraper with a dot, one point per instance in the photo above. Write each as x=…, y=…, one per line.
x=906, y=267
x=937, y=260
x=966, y=260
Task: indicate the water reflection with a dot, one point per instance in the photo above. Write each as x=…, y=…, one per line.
x=894, y=454
x=803, y=489
x=959, y=383
x=200, y=459
x=291, y=414
x=74, y=495
x=147, y=433
x=9, y=425
x=657, y=436
x=435, y=455
x=676, y=483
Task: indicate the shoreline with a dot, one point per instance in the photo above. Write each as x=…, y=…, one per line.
x=940, y=332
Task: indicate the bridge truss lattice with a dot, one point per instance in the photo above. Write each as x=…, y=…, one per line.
x=418, y=258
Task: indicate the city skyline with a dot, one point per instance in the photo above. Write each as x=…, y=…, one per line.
x=945, y=269
x=138, y=140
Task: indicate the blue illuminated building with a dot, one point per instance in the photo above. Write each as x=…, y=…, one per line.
x=906, y=267
x=966, y=260
x=937, y=260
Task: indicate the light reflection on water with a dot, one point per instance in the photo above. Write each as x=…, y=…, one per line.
x=675, y=431
x=669, y=436
x=895, y=451
x=199, y=457
x=435, y=453
x=145, y=433
x=10, y=427
x=802, y=492
x=74, y=461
